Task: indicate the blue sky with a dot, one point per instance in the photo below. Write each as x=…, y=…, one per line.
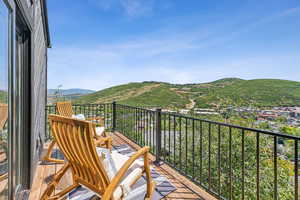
x=102, y=43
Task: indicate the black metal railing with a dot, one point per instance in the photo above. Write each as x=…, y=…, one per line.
x=229, y=161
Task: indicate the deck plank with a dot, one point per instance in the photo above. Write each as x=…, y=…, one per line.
x=185, y=188
x=37, y=183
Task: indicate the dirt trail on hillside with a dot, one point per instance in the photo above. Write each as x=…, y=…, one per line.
x=125, y=94
x=191, y=105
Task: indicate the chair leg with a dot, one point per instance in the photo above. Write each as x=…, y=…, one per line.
x=150, y=182
x=48, y=158
x=47, y=195
x=106, y=142
x=109, y=143
x=3, y=176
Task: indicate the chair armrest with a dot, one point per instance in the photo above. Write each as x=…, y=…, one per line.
x=102, y=140
x=119, y=176
x=101, y=119
x=96, y=124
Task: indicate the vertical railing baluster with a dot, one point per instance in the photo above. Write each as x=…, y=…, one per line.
x=219, y=161
x=124, y=120
x=180, y=163
x=151, y=127
x=114, y=116
x=296, y=170
x=158, y=135
x=201, y=150
x=135, y=124
x=174, y=141
x=243, y=164
x=144, y=126
x=230, y=163
x=165, y=141
x=169, y=145
x=257, y=166
x=193, y=148
x=186, y=145
x=141, y=127
x=154, y=128
x=275, y=169
x=147, y=129
x=209, y=155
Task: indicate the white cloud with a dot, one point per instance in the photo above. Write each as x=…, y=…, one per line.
x=135, y=8
x=131, y=8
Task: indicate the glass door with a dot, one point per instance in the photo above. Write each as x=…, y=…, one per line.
x=15, y=98
x=23, y=105
x=4, y=108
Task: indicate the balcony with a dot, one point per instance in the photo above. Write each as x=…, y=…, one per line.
x=202, y=159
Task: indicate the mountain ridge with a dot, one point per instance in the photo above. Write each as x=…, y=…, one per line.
x=70, y=91
x=227, y=91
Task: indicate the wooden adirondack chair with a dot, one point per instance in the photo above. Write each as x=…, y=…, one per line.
x=3, y=115
x=65, y=109
x=75, y=139
x=3, y=120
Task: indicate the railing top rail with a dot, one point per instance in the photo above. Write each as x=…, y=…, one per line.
x=87, y=104
x=144, y=109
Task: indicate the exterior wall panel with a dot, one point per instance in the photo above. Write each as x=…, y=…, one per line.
x=39, y=80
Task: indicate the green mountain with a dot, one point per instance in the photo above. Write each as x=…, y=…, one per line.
x=228, y=91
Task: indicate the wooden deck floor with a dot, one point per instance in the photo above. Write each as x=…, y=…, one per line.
x=185, y=188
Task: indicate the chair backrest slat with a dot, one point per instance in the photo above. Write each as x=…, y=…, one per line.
x=75, y=139
x=3, y=115
x=65, y=108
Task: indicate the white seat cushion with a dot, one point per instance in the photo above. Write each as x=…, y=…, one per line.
x=79, y=116
x=100, y=130
x=112, y=162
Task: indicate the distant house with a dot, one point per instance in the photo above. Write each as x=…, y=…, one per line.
x=168, y=111
x=268, y=114
x=293, y=114
x=186, y=89
x=204, y=109
x=184, y=111
x=206, y=113
x=284, y=113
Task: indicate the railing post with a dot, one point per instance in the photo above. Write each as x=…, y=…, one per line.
x=158, y=136
x=114, y=116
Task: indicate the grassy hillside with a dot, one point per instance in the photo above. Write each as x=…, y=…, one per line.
x=233, y=91
x=258, y=92
x=3, y=96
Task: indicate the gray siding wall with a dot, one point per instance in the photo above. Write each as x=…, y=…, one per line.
x=39, y=84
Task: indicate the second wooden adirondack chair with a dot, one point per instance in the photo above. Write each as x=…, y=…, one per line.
x=3, y=143
x=3, y=115
x=65, y=109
